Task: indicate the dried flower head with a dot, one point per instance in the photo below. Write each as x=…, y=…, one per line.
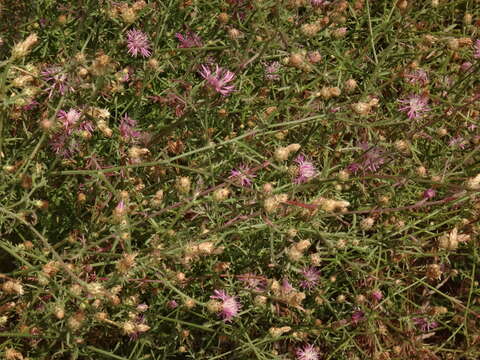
x=23, y=48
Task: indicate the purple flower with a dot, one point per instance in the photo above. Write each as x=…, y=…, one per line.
x=69, y=119
x=354, y=167
x=424, y=324
x=476, y=48
x=458, y=141
x=311, y=275
x=308, y=352
x=138, y=43
x=415, y=106
x=466, y=66
x=317, y=3
x=271, y=71
x=377, y=295
x=64, y=145
x=190, y=39
x=172, y=304
x=86, y=127
x=373, y=157
x=57, y=80
x=286, y=287
x=306, y=170
x=30, y=106
x=357, y=316
x=418, y=76
x=126, y=128
x=229, y=307
x=429, y=194
x=243, y=175
x=218, y=79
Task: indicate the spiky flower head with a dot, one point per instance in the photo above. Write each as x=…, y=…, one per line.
x=229, y=306
x=190, y=39
x=68, y=119
x=218, y=79
x=311, y=276
x=306, y=170
x=243, y=175
x=308, y=352
x=415, y=106
x=138, y=43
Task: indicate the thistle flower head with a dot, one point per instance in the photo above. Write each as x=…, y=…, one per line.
x=271, y=71
x=57, y=80
x=306, y=170
x=429, y=194
x=311, y=275
x=68, y=119
x=218, y=79
x=308, y=352
x=127, y=128
x=424, y=325
x=415, y=106
x=190, y=39
x=243, y=174
x=229, y=307
x=372, y=159
x=138, y=43
x=418, y=76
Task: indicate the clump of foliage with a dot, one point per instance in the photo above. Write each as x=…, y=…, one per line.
x=244, y=179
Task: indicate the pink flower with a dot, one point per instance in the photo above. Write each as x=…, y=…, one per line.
x=476, y=48
x=306, y=170
x=243, y=175
x=377, y=295
x=373, y=158
x=357, y=316
x=317, y=3
x=64, y=145
x=68, y=119
x=311, y=275
x=138, y=43
x=286, y=287
x=307, y=353
x=458, y=141
x=418, y=76
x=415, y=106
x=466, y=66
x=190, y=39
x=57, y=80
x=126, y=128
x=429, y=194
x=218, y=79
x=424, y=324
x=172, y=304
x=229, y=307
x=271, y=71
